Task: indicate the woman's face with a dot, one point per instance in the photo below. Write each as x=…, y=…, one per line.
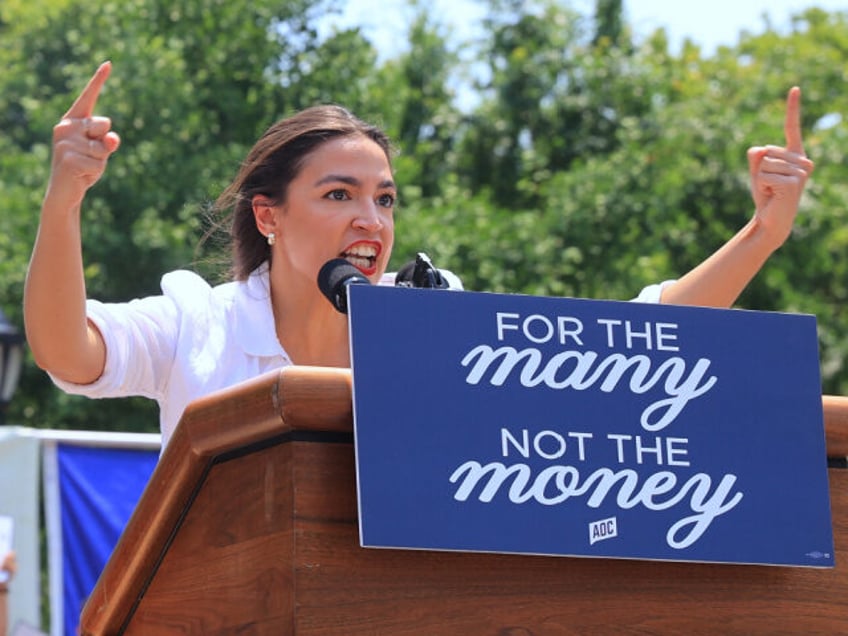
x=341, y=204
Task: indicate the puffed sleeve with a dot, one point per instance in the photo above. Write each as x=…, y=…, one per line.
x=652, y=293
x=141, y=338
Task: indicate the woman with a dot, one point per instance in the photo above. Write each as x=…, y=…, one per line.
x=316, y=186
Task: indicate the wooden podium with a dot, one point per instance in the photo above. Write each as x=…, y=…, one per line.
x=249, y=526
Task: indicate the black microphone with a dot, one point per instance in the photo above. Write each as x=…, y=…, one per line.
x=333, y=281
x=421, y=273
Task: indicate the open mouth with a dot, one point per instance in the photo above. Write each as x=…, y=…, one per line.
x=362, y=256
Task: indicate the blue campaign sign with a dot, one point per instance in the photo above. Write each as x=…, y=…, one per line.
x=519, y=424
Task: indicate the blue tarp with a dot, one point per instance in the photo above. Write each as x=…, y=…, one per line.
x=99, y=489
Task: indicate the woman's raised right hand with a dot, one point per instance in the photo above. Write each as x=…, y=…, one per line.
x=82, y=144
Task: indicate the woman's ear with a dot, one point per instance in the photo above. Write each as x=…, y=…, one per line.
x=264, y=211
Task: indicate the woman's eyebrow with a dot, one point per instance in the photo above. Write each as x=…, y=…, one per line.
x=335, y=178
x=353, y=181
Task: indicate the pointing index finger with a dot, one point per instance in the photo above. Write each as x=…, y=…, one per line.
x=87, y=100
x=792, y=125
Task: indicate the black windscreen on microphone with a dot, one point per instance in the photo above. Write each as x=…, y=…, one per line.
x=333, y=279
x=404, y=275
x=420, y=273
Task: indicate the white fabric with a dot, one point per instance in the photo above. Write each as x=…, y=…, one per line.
x=187, y=343
x=53, y=523
x=652, y=293
x=19, y=464
x=196, y=339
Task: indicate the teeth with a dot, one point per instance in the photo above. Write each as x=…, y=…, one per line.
x=360, y=261
x=362, y=251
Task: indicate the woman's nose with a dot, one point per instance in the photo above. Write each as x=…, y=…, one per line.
x=368, y=218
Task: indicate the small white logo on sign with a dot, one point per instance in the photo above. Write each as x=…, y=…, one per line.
x=603, y=529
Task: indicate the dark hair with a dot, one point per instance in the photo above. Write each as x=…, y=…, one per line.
x=271, y=165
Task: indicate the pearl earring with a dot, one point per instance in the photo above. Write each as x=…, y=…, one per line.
x=272, y=239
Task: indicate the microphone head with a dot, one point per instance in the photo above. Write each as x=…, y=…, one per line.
x=404, y=276
x=333, y=279
x=420, y=273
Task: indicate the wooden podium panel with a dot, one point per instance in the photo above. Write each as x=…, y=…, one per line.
x=230, y=565
x=406, y=592
x=249, y=526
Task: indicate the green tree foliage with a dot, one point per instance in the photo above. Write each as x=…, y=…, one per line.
x=195, y=83
x=810, y=273
x=593, y=167
x=593, y=161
